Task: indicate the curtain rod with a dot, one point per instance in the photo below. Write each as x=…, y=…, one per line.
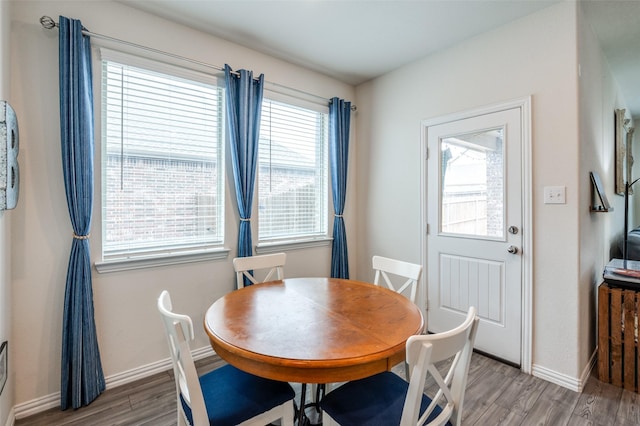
x=48, y=23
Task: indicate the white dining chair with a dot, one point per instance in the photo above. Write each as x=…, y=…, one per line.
x=246, y=267
x=397, y=275
x=388, y=399
x=225, y=396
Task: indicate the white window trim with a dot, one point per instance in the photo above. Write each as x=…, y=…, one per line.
x=274, y=247
x=164, y=259
x=156, y=66
x=295, y=100
x=107, y=265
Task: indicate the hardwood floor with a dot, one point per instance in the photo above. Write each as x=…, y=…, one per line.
x=497, y=394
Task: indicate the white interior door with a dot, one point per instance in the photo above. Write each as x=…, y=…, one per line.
x=474, y=216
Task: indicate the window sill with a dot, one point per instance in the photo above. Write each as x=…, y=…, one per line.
x=262, y=248
x=116, y=265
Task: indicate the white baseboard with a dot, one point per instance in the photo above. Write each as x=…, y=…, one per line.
x=37, y=405
x=564, y=380
x=47, y=402
x=584, y=377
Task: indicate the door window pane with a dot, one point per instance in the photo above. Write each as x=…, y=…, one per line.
x=472, y=197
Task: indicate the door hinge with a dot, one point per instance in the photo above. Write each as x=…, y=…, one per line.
x=427, y=154
x=427, y=305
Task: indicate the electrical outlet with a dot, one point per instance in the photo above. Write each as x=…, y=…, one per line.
x=554, y=195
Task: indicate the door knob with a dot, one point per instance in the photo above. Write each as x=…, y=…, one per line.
x=513, y=249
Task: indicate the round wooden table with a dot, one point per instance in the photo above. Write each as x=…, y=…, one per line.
x=312, y=330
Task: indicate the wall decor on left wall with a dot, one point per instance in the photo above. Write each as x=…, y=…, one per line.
x=9, y=171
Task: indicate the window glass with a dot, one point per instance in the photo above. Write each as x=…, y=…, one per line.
x=473, y=184
x=162, y=161
x=292, y=173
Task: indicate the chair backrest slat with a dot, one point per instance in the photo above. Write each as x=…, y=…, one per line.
x=246, y=267
x=385, y=266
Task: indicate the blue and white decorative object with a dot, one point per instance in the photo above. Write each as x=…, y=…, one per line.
x=9, y=172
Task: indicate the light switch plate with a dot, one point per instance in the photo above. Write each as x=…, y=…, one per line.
x=555, y=195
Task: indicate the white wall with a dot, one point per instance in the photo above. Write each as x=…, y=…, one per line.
x=536, y=56
x=599, y=232
x=129, y=330
x=6, y=399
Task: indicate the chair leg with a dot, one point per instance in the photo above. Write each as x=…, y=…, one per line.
x=328, y=421
x=182, y=421
x=288, y=414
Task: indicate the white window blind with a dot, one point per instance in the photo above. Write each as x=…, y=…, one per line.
x=292, y=173
x=163, y=188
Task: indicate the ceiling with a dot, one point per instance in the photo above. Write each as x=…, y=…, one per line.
x=616, y=24
x=357, y=40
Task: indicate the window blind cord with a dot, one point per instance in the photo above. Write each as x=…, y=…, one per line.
x=48, y=23
x=122, y=129
x=270, y=147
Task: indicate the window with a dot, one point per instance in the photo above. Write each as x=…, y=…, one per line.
x=292, y=173
x=162, y=159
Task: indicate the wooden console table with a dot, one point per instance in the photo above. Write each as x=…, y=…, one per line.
x=618, y=354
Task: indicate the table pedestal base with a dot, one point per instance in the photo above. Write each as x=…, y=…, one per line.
x=309, y=413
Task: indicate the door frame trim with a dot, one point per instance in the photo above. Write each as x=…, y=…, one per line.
x=524, y=104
